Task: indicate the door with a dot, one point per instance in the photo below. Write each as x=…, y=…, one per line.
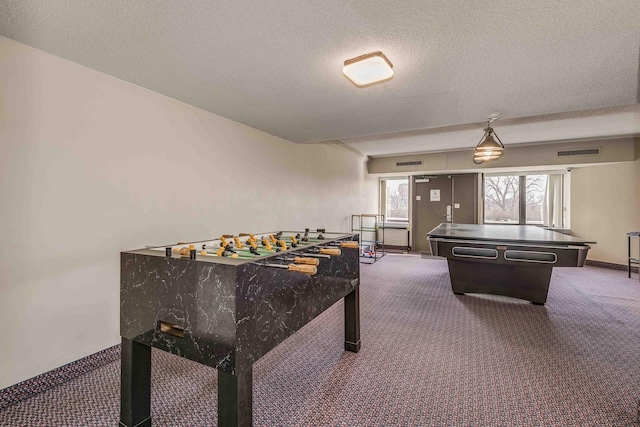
x=432, y=196
x=465, y=200
x=442, y=198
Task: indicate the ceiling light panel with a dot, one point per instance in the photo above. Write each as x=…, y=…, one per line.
x=369, y=69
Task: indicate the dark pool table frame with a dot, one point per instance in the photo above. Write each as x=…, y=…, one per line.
x=509, y=260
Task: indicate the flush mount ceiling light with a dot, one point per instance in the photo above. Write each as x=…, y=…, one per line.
x=489, y=148
x=369, y=69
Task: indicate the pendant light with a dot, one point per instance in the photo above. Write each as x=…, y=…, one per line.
x=490, y=147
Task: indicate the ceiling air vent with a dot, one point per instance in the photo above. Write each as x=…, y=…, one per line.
x=413, y=163
x=589, y=152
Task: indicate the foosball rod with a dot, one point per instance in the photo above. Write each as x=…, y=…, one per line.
x=272, y=251
x=267, y=241
x=326, y=250
x=222, y=255
x=301, y=260
x=314, y=250
x=335, y=251
x=245, y=252
x=238, y=244
x=242, y=248
x=308, y=254
x=307, y=269
x=275, y=237
x=213, y=247
x=345, y=244
x=223, y=251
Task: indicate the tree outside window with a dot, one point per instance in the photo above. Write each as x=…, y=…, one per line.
x=501, y=199
x=536, y=195
x=397, y=199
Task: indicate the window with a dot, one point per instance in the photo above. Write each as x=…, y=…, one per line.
x=536, y=191
x=542, y=203
x=501, y=199
x=395, y=199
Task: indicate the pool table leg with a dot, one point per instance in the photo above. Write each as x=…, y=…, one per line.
x=135, y=384
x=352, y=321
x=235, y=398
x=527, y=282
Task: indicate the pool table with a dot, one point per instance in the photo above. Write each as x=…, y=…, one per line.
x=509, y=260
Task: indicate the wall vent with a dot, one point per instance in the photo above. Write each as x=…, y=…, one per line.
x=413, y=163
x=589, y=152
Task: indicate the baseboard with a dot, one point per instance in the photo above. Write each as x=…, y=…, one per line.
x=610, y=265
x=33, y=386
x=393, y=248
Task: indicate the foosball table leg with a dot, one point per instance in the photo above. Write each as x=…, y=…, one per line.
x=135, y=391
x=235, y=399
x=352, y=321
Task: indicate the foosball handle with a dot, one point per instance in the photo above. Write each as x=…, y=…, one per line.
x=330, y=251
x=307, y=269
x=350, y=244
x=307, y=261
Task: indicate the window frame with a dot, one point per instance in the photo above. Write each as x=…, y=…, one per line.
x=522, y=198
x=484, y=197
x=383, y=199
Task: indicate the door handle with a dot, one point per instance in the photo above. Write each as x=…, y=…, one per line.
x=448, y=213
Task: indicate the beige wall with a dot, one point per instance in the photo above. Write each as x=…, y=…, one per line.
x=605, y=206
x=90, y=166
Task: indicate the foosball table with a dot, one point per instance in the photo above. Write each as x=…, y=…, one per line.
x=225, y=303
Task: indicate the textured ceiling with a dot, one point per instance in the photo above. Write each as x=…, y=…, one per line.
x=276, y=65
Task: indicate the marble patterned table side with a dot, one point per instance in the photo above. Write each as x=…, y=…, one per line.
x=199, y=297
x=274, y=303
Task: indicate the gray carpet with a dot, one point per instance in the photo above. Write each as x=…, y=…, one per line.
x=428, y=358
